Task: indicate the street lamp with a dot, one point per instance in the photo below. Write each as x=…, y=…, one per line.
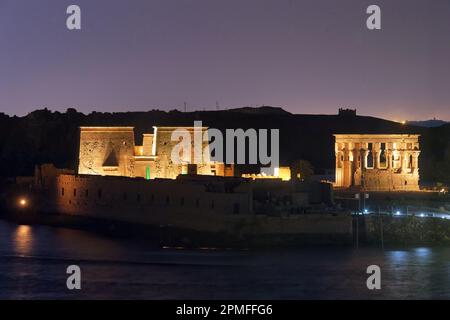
x=23, y=202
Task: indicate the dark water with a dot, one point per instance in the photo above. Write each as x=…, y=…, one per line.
x=33, y=262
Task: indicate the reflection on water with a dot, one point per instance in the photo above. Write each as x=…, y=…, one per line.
x=418, y=272
x=398, y=256
x=417, y=255
x=33, y=262
x=424, y=253
x=23, y=240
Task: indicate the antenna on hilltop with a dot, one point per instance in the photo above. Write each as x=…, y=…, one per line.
x=217, y=105
x=185, y=107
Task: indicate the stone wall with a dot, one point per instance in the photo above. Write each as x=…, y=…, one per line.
x=164, y=146
x=387, y=180
x=180, y=204
x=137, y=200
x=106, y=151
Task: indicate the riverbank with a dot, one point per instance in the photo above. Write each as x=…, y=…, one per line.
x=407, y=230
x=372, y=231
x=249, y=233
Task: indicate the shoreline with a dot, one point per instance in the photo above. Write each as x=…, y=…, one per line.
x=173, y=237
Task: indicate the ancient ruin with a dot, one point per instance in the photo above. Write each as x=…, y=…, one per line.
x=377, y=162
x=111, y=151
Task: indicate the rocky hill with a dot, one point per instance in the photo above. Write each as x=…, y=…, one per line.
x=44, y=136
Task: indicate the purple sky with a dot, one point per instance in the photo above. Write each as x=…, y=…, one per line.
x=305, y=56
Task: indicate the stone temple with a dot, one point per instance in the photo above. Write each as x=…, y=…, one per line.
x=111, y=151
x=377, y=162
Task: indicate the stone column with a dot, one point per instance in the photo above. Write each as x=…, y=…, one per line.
x=346, y=153
x=410, y=161
x=354, y=165
x=376, y=159
x=339, y=169
x=405, y=157
x=338, y=159
x=397, y=160
x=388, y=158
x=363, y=155
x=417, y=159
x=346, y=168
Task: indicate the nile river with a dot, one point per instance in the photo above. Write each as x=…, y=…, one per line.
x=33, y=262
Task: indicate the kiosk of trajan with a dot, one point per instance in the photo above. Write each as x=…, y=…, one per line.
x=377, y=162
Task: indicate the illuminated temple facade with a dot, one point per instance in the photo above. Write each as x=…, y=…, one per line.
x=377, y=162
x=111, y=151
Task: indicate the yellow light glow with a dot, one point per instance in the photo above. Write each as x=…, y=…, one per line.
x=23, y=202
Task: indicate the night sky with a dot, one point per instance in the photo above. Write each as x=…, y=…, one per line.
x=305, y=56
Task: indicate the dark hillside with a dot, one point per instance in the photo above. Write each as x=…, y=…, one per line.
x=44, y=136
